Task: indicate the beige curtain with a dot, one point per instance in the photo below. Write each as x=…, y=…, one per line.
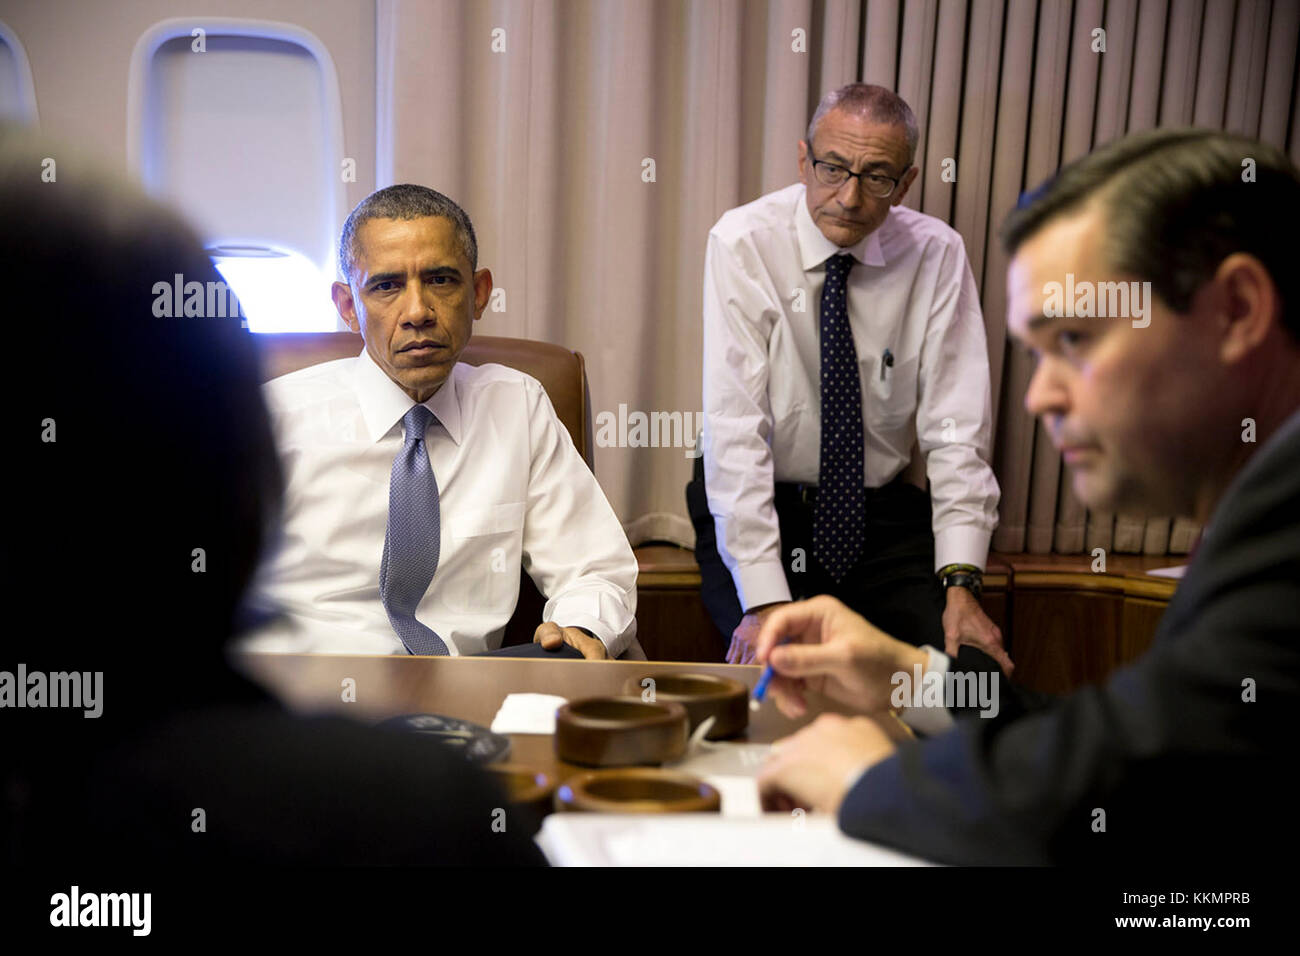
x=594, y=143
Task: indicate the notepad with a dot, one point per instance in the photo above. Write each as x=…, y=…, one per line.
x=527, y=714
x=706, y=839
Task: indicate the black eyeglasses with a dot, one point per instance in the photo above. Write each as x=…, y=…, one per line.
x=829, y=174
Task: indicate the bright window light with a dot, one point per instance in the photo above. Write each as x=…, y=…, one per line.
x=279, y=291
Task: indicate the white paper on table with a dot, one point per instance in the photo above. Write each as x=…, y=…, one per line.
x=707, y=839
x=731, y=769
x=1174, y=572
x=739, y=795
x=723, y=758
x=527, y=714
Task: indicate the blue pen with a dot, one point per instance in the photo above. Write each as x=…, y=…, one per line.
x=760, y=689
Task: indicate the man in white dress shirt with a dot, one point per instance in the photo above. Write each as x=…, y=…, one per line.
x=503, y=484
x=801, y=489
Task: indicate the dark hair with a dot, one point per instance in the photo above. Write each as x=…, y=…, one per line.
x=162, y=441
x=874, y=102
x=405, y=201
x=1178, y=202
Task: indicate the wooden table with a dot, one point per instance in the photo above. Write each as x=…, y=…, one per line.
x=472, y=688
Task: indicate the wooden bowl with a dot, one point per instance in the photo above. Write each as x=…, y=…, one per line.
x=524, y=786
x=703, y=695
x=620, y=731
x=636, y=790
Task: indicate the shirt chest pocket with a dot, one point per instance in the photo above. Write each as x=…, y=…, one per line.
x=891, y=396
x=482, y=551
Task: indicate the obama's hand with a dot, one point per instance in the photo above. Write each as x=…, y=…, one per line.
x=551, y=636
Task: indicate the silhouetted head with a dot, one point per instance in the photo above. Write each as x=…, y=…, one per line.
x=142, y=478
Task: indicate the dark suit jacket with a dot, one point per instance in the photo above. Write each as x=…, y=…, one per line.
x=1181, y=764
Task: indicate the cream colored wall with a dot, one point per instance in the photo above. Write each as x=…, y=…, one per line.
x=80, y=53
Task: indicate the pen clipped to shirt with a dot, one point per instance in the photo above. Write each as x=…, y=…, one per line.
x=886, y=361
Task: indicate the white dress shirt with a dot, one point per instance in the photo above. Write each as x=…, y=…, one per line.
x=512, y=488
x=911, y=293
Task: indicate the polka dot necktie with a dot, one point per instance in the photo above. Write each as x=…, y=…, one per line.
x=839, y=513
x=413, y=539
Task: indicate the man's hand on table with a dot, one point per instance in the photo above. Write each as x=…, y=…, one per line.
x=833, y=652
x=815, y=767
x=551, y=636
x=964, y=622
x=744, y=639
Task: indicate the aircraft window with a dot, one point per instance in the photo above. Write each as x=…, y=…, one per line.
x=239, y=123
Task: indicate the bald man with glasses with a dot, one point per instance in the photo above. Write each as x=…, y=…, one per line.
x=841, y=329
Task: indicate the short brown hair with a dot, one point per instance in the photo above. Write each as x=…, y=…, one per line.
x=1177, y=203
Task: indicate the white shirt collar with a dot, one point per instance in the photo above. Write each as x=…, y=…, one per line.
x=815, y=248
x=383, y=403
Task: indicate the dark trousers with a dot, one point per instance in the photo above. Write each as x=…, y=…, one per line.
x=892, y=585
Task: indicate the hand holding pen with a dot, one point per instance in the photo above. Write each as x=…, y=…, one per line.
x=821, y=646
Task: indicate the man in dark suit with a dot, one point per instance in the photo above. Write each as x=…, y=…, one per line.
x=141, y=481
x=1185, y=402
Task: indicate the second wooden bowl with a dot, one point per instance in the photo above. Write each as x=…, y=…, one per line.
x=703, y=695
x=620, y=731
x=637, y=790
